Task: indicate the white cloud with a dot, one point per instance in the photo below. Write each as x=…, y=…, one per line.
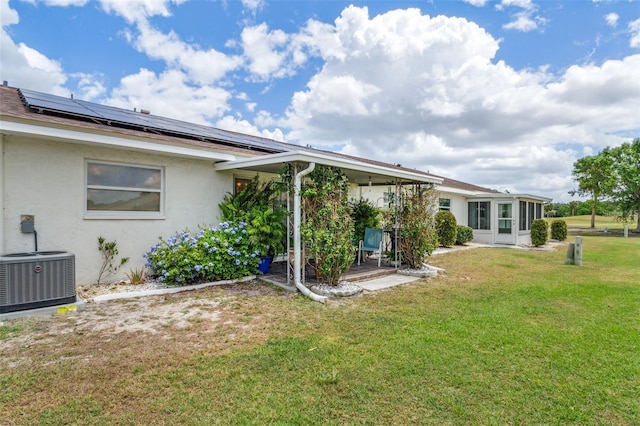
x=202, y=66
x=189, y=87
x=612, y=19
x=139, y=10
x=91, y=87
x=477, y=3
x=253, y=5
x=243, y=126
x=266, y=52
x=524, y=20
x=272, y=54
x=37, y=60
x=8, y=16
x=425, y=92
x=23, y=66
x=634, y=30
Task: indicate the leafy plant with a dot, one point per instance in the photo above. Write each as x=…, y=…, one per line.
x=446, y=227
x=418, y=233
x=256, y=196
x=257, y=205
x=364, y=215
x=539, y=232
x=328, y=229
x=210, y=254
x=137, y=276
x=464, y=235
x=267, y=231
x=559, y=230
x=109, y=251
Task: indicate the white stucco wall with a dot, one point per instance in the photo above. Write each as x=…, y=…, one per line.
x=374, y=194
x=458, y=206
x=47, y=179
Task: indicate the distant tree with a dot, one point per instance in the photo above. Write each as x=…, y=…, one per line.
x=602, y=208
x=626, y=168
x=595, y=178
x=573, y=206
x=558, y=209
x=549, y=210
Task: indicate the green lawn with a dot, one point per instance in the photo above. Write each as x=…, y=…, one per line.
x=505, y=337
x=584, y=222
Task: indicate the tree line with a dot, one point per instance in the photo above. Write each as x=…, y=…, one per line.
x=611, y=176
x=581, y=208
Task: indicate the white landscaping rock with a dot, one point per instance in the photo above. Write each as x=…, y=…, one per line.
x=435, y=268
x=343, y=289
x=426, y=271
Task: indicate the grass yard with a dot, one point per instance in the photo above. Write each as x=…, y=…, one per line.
x=584, y=222
x=506, y=337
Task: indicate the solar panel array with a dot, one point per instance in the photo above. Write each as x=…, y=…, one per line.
x=121, y=117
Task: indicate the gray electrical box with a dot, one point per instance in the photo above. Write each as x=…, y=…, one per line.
x=27, y=224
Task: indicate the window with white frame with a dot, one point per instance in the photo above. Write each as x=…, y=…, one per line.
x=480, y=214
x=445, y=203
x=113, y=189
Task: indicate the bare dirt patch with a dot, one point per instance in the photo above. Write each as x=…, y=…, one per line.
x=216, y=315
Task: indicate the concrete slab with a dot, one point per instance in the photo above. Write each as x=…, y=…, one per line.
x=79, y=305
x=386, y=282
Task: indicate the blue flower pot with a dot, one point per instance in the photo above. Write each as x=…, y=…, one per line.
x=265, y=262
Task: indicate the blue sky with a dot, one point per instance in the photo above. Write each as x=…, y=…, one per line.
x=505, y=94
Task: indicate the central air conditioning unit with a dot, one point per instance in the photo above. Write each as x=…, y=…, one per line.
x=36, y=280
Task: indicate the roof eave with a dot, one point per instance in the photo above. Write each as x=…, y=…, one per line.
x=88, y=138
x=263, y=162
x=504, y=195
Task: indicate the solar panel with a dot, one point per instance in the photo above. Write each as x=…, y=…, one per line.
x=118, y=115
x=45, y=101
x=112, y=115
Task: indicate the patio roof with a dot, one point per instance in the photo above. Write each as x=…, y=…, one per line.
x=358, y=172
x=503, y=195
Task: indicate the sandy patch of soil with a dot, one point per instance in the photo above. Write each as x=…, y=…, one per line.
x=215, y=315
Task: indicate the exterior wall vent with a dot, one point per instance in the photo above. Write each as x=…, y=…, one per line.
x=36, y=280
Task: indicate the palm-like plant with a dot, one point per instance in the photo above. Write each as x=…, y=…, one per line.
x=255, y=205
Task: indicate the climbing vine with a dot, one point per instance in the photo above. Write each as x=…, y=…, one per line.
x=418, y=236
x=328, y=227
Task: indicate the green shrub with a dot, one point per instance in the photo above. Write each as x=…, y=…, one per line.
x=364, y=215
x=258, y=206
x=328, y=229
x=418, y=236
x=446, y=227
x=211, y=254
x=559, y=230
x=464, y=235
x=539, y=232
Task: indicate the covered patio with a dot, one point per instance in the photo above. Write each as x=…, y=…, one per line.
x=358, y=173
x=368, y=269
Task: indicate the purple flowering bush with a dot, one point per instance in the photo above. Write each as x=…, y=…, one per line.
x=209, y=254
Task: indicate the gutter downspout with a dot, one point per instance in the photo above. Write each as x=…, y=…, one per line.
x=297, y=219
